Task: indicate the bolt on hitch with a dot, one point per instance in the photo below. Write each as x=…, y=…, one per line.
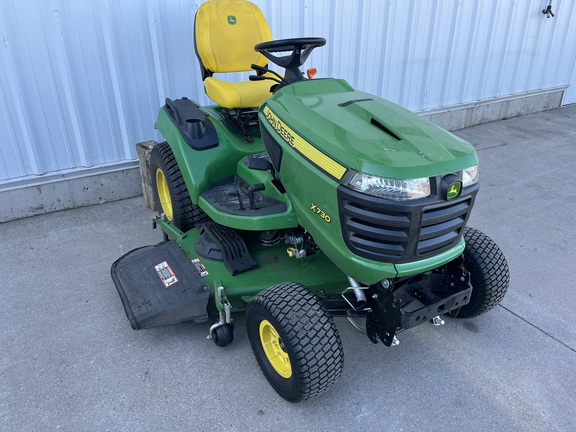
x=437, y=321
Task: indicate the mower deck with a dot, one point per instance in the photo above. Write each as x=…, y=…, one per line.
x=275, y=266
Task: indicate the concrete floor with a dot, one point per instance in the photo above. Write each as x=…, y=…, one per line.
x=69, y=359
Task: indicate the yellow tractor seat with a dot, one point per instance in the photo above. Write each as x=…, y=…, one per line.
x=246, y=94
x=225, y=34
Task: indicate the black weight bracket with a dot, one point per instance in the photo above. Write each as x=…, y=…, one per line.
x=417, y=301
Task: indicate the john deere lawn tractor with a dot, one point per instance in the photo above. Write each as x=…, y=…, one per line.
x=296, y=200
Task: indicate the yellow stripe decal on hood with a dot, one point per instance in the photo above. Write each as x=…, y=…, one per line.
x=304, y=147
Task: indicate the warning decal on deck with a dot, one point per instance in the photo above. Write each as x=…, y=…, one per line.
x=202, y=271
x=166, y=274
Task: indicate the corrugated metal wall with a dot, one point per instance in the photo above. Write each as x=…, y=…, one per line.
x=81, y=81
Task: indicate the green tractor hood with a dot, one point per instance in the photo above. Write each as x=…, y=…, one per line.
x=368, y=134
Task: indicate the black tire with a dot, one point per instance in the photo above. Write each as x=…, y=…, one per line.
x=307, y=340
x=223, y=335
x=179, y=209
x=489, y=274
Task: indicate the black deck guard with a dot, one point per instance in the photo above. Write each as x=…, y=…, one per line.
x=158, y=285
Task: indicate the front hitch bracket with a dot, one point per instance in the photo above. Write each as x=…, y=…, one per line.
x=420, y=299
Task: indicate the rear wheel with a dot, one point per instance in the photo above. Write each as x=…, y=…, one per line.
x=295, y=341
x=171, y=196
x=489, y=274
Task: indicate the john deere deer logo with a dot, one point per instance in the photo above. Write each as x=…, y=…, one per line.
x=454, y=190
x=231, y=20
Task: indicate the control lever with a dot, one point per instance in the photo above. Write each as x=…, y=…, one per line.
x=259, y=68
x=262, y=78
x=265, y=70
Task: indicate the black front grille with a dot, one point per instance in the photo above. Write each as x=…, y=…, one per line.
x=375, y=231
x=398, y=232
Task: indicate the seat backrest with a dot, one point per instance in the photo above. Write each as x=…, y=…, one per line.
x=225, y=34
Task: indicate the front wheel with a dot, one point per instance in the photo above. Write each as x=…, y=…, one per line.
x=489, y=274
x=295, y=341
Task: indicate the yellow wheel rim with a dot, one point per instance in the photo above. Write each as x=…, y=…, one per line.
x=274, y=349
x=164, y=194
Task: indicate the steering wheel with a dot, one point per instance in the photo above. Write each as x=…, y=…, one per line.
x=300, y=49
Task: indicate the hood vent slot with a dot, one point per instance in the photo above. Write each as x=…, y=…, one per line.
x=350, y=102
x=384, y=129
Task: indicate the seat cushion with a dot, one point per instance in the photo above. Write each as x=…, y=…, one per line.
x=247, y=94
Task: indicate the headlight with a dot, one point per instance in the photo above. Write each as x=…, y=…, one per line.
x=398, y=190
x=470, y=176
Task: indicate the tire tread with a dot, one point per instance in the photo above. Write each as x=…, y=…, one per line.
x=489, y=273
x=186, y=215
x=315, y=340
